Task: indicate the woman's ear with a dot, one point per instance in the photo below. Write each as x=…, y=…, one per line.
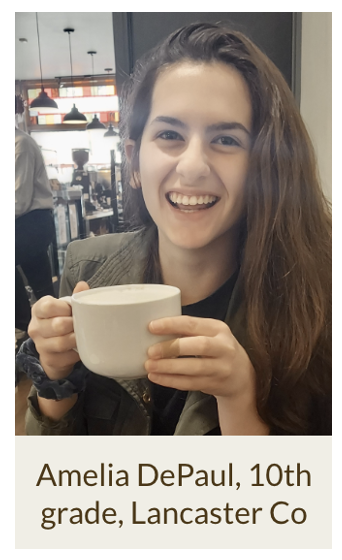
x=135, y=176
x=129, y=145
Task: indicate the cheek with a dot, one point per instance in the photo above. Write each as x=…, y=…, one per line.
x=154, y=165
x=147, y=163
x=235, y=177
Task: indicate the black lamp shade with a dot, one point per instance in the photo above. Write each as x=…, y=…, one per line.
x=74, y=117
x=110, y=132
x=43, y=101
x=95, y=124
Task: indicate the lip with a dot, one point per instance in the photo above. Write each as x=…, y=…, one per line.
x=189, y=192
x=192, y=215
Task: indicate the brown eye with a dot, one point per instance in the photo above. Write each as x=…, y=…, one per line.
x=169, y=135
x=226, y=141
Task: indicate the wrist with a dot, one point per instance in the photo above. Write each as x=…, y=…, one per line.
x=238, y=415
x=53, y=389
x=56, y=373
x=240, y=386
x=239, y=403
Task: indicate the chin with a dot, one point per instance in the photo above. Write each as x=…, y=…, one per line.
x=190, y=242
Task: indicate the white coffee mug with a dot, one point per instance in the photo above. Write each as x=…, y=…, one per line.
x=111, y=325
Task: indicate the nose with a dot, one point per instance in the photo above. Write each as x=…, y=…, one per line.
x=193, y=162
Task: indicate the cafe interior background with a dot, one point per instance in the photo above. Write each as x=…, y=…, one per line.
x=82, y=59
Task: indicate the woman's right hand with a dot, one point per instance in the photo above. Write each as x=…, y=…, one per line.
x=52, y=330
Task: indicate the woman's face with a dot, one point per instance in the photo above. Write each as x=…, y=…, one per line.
x=194, y=153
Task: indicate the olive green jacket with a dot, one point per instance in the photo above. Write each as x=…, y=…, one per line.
x=122, y=407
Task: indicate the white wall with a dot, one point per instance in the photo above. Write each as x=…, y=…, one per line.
x=316, y=89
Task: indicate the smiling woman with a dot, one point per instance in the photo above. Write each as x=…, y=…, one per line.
x=224, y=203
x=196, y=153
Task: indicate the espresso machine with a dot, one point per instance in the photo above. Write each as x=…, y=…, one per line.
x=102, y=190
x=81, y=176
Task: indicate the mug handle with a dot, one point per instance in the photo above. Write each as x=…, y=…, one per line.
x=68, y=300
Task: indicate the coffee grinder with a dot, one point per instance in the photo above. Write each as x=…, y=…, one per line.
x=81, y=177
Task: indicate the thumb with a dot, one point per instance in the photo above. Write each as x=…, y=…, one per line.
x=80, y=287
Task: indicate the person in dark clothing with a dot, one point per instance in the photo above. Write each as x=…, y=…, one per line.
x=34, y=224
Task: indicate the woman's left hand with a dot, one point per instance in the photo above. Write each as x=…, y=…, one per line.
x=212, y=359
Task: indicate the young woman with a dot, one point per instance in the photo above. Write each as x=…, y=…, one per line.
x=225, y=203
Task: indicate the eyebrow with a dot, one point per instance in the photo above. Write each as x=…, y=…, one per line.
x=212, y=128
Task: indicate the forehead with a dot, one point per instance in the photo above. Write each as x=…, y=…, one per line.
x=208, y=88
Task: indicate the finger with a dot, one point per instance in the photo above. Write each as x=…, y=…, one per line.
x=180, y=382
x=184, y=325
x=80, y=287
x=57, y=326
x=187, y=346
x=48, y=307
x=184, y=366
x=57, y=344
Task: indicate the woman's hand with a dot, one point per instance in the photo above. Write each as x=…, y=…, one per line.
x=52, y=330
x=212, y=362
x=212, y=359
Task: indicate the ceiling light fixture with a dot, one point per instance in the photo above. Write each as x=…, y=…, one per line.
x=95, y=123
x=110, y=132
x=43, y=101
x=74, y=117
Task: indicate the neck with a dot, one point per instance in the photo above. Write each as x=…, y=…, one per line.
x=198, y=272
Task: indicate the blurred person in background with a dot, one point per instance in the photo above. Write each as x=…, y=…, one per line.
x=34, y=224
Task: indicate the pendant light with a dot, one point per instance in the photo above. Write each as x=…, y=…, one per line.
x=110, y=132
x=43, y=101
x=95, y=123
x=74, y=117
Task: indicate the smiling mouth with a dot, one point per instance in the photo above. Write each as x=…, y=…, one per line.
x=191, y=203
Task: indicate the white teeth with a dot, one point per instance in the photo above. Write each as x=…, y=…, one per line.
x=191, y=200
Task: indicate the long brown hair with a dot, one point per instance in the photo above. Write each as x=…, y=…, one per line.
x=286, y=235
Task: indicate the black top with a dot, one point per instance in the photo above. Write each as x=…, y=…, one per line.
x=168, y=403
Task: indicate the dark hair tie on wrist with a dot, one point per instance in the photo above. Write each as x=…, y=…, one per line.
x=27, y=361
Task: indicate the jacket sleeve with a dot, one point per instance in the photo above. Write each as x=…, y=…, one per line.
x=69, y=277
x=72, y=423
x=80, y=264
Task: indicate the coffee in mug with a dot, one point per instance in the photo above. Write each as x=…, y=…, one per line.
x=111, y=325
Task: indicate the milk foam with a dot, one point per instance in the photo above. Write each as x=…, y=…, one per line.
x=125, y=295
